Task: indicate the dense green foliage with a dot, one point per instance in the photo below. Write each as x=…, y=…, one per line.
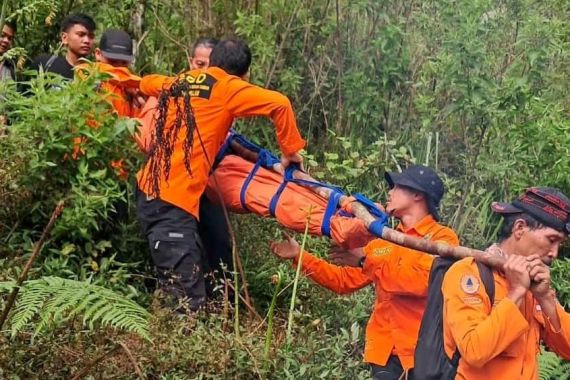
x=477, y=89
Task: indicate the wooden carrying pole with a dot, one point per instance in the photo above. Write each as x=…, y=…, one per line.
x=388, y=234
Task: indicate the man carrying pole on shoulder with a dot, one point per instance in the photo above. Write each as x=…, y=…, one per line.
x=400, y=275
x=501, y=339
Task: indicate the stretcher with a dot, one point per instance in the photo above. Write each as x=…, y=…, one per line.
x=254, y=187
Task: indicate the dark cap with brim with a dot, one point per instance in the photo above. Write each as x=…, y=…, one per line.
x=117, y=45
x=423, y=179
x=547, y=205
x=118, y=57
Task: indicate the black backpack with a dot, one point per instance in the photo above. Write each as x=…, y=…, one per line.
x=431, y=361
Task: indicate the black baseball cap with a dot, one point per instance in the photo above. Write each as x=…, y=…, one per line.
x=423, y=179
x=546, y=204
x=117, y=45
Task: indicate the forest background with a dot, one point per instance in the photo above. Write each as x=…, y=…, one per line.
x=477, y=89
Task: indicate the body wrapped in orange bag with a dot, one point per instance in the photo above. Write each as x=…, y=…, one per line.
x=253, y=187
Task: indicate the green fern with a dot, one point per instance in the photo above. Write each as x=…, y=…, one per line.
x=551, y=367
x=54, y=300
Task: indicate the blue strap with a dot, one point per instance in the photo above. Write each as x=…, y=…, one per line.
x=224, y=150
x=261, y=158
x=287, y=177
x=377, y=226
x=293, y=167
x=245, y=142
x=332, y=206
x=370, y=206
x=267, y=159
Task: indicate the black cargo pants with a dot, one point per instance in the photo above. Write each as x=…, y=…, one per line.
x=393, y=370
x=215, y=235
x=176, y=249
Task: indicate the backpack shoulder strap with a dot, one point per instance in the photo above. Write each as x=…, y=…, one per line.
x=49, y=62
x=486, y=274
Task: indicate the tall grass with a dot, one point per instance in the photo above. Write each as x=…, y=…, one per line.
x=297, y=275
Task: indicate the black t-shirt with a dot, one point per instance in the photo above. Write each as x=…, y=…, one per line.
x=53, y=64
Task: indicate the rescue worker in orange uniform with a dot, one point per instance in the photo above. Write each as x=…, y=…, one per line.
x=502, y=341
x=400, y=275
x=201, y=51
x=200, y=59
x=213, y=228
x=113, y=56
x=195, y=112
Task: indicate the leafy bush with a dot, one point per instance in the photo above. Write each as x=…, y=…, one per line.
x=64, y=144
x=476, y=89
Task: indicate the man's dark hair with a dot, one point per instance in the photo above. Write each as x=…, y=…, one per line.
x=231, y=55
x=78, y=18
x=11, y=25
x=509, y=222
x=204, y=41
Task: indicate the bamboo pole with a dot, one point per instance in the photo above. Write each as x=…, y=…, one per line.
x=388, y=234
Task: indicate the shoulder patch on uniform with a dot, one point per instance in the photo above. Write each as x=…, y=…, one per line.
x=201, y=85
x=469, y=284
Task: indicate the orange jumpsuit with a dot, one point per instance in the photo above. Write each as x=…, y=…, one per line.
x=217, y=98
x=501, y=341
x=400, y=276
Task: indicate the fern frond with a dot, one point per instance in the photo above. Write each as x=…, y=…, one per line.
x=29, y=304
x=53, y=300
x=552, y=367
x=55, y=309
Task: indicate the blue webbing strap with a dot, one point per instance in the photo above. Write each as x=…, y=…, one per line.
x=224, y=150
x=261, y=159
x=287, y=177
x=267, y=161
x=332, y=206
x=377, y=226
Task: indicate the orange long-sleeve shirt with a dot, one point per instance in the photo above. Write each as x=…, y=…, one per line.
x=499, y=341
x=115, y=92
x=217, y=98
x=400, y=276
x=116, y=88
